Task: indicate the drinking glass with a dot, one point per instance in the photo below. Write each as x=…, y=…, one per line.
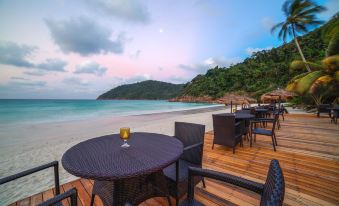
x=124, y=135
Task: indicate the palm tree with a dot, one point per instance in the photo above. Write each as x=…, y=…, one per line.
x=300, y=15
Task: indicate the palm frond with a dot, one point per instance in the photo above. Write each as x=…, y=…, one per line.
x=275, y=27
x=300, y=65
x=306, y=82
x=321, y=82
x=314, y=10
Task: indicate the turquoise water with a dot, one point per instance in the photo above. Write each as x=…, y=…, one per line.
x=34, y=111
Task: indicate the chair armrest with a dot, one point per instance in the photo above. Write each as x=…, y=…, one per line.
x=193, y=146
x=231, y=179
x=54, y=164
x=72, y=193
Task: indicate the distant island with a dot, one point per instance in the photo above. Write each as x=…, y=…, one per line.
x=150, y=89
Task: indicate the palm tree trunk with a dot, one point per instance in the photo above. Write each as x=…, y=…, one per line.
x=299, y=49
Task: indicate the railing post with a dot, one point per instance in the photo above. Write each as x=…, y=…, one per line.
x=56, y=178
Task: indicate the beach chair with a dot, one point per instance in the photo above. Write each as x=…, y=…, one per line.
x=272, y=192
x=72, y=193
x=192, y=137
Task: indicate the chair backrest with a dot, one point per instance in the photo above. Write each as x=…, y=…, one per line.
x=224, y=129
x=274, y=187
x=323, y=107
x=190, y=134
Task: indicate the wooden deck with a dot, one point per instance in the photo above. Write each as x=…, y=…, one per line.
x=308, y=152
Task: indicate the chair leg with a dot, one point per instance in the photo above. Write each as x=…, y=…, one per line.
x=275, y=140
x=92, y=199
x=273, y=143
x=203, y=182
x=169, y=200
x=213, y=146
x=176, y=200
x=278, y=124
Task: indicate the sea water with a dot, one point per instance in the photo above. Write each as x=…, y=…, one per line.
x=39, y=111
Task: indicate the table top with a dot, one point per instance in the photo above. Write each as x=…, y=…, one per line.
x=103, y=158
x=261, y=110
x=239, y=116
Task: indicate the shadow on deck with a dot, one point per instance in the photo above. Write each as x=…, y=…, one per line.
x=308, y=152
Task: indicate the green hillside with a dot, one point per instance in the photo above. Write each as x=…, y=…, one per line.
x=263, y=71
x=144, y=90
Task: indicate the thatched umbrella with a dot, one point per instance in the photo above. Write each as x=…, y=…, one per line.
x=277, y=95
x=235, y=99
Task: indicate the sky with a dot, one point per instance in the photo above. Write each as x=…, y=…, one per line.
x=78, y=49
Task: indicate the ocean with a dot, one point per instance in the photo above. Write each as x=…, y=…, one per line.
x=21, y=111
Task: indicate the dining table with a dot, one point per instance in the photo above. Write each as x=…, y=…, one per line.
x=124, y=175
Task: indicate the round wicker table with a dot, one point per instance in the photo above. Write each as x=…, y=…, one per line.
x=104, y=160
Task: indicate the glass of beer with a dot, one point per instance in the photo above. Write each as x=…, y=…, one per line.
x=124, y=135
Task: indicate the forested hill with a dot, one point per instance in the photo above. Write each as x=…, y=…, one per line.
x=263, y=71
x=149, y=89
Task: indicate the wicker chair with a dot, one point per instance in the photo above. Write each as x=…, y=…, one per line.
x=266, y=132
x=323, y=108
x=272, y=192
x=192, y=137
x=226, y=131
x=334, y=116
x=72, y=193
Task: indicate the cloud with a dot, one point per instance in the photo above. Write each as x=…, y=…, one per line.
x=14, y=54
x=210, y=63
x=251, y=50
x=267, y=23
x=84, y=36
x=75, y=81
x=136, y=54
x=90, y=67
x=35, y=73
x=25, y=83
x=19, y=78
x=57, y=65
x=128, y=10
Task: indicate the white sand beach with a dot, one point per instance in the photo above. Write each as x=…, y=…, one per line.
x=25, y=146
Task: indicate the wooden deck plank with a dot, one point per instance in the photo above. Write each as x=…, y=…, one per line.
x=48, y=194
x=65, y=202
x=24, y=202
x=36, y=199
x=308, y=153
